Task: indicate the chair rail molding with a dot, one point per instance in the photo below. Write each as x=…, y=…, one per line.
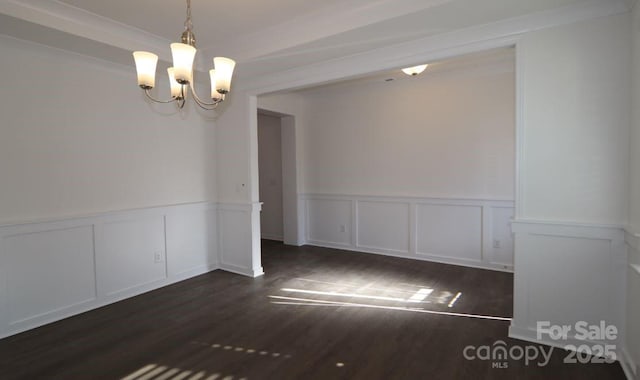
x=50, y=270
x=565, y=273
x=469, y=232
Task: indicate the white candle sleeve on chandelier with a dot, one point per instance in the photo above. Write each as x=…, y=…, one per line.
x=146, y=68
x=183, y=56
x=224, y=71
x=176, y=88
x=215, y=95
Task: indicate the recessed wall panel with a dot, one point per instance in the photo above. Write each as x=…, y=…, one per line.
x=47, y=272
x=449, y=231
x=329, y=221
x=191, y=240
x=132, y=254
x=383, y=225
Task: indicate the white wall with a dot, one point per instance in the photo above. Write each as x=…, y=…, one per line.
x=55, y=269
x=270, y=166
x=405, y=168
x=633, y=230
x=572, y=186
x=570, y=260
x=442, y=134
x=238, y=196
x=126, y=188
x=576, y=122
x=78, y=138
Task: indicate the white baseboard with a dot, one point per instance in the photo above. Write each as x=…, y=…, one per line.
x=55, y=269
x=421, y=257
x=249, y=272
x=628, y=365
x=467, y=232
x=530, y=335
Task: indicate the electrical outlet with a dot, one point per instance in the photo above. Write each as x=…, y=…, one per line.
x=497, y=243
x=158, y=257
x=343, y=228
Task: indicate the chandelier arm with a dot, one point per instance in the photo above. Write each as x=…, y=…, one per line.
x=201, y=102
x=205, y=107
x=146, y=92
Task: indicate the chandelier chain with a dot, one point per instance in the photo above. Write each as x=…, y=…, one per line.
x=188, y=25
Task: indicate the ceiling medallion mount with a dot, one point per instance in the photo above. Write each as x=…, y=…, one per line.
x=181, y=74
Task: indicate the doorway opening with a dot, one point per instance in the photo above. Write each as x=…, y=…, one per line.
x=278, y=177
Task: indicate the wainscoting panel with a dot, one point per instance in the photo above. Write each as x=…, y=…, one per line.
x=329, y=222
x=458, y=231
x=500, y=245
x=383, y=226
x=131, y=254
x=52, y=270
x=239, y=238
x=567, y=273
x=190, y=233
x=450, y=231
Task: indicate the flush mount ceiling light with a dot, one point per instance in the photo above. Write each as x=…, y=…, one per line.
x=181, y=74
x=414, y=70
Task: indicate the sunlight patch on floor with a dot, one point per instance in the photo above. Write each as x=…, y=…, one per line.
x=315, y=302
x=160, y=372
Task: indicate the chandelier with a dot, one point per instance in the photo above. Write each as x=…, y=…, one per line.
x=181, y=74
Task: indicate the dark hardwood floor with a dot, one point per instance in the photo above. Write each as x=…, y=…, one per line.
x=316, y=314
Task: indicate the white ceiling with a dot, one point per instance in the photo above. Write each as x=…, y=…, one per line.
x=263, y=36
x=500, y=59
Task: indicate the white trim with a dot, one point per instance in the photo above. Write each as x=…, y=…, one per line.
x=249, y=272
x=628, y=364
x=420, y=257
x=78, y=22
x=568, y=229
x=446, y=45
x=520, y=132
x=529, y=285
x=352, y=242
x=443, y=200
x=530, y=335
x=80, y=220
x=632, y=238
x=251, y=211
x=94, y=225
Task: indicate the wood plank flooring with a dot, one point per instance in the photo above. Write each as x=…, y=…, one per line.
x=316, y=314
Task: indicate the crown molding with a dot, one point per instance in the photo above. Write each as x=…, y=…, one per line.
x=322, y=23
x=74, y=21
x=79, y=24
x=438, y=47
